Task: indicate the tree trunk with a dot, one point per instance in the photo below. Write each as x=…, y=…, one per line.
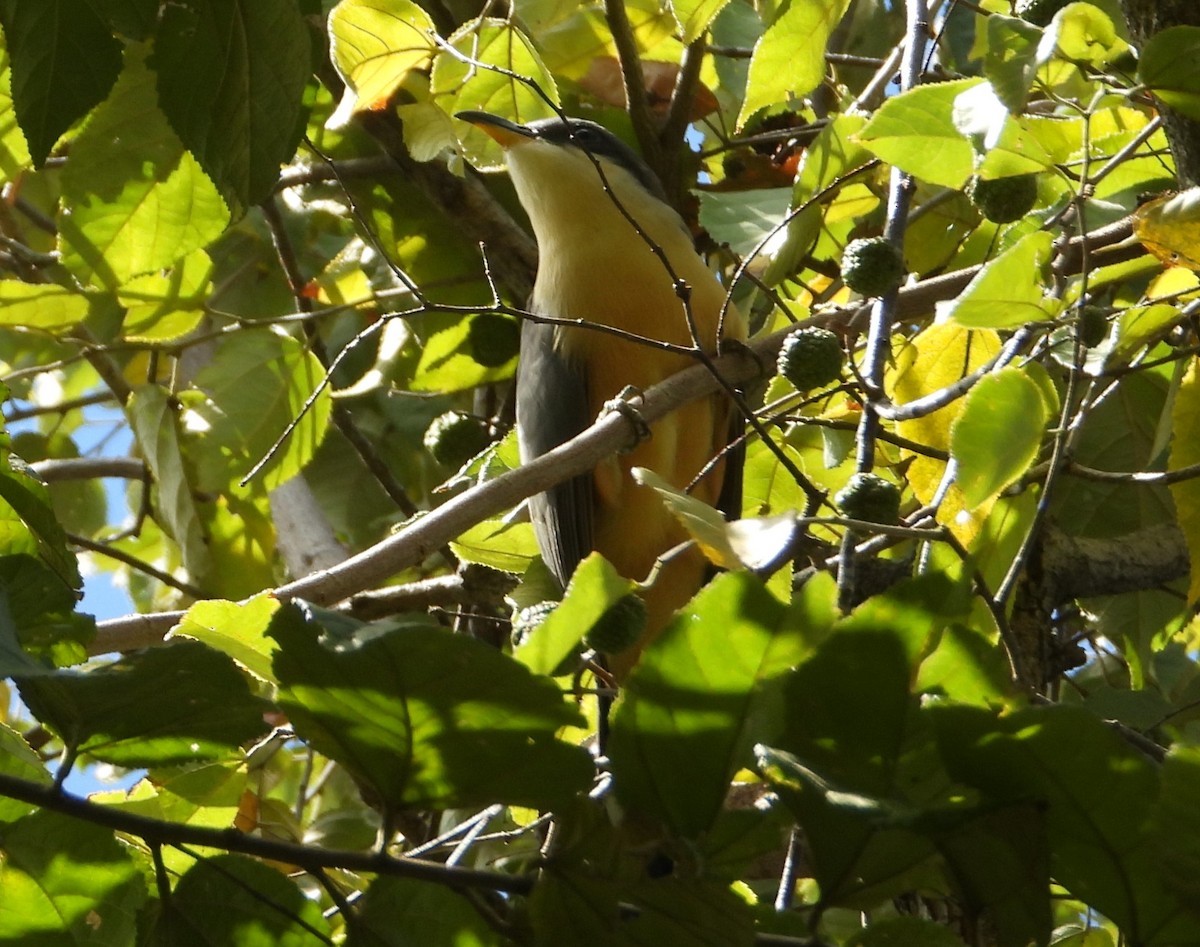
x=1147, y=17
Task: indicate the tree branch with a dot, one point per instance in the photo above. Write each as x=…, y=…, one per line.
x=308, y=857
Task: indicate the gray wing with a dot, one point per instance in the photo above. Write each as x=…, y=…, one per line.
x=551, y=409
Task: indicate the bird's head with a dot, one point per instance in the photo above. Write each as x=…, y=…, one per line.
x=560, y=168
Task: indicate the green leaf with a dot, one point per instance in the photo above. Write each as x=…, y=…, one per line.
x=789, y=60
x=396, y=912
x=694, y=16
x=132, y=18
x=257, y=383
x=855, y=762
x=1083, y=33
x=744, y=219
x=1010, y=62
x=28, y=523
x=902, y=931
x=996, y=436
x=1170, y=68
x=164, y=306
x=966, y=666
x=14, y=153
x=208, y=796
x=41, y=306
x=238, y=630
x=38, y=617
x=428, y=718
x=232, y=899
x=231, y=77
x=1007, y=291
x=1185, y=451
x=19, y=760
x=66, y=881
x=133, y=199
x=153, y=418
x=498, y=544
x=703, y=693
x=375, y=44
x=447, y=364
x=915, y=131
x=1097, y=793
x=64, y=61
x=1176, y=824
x=168, y=705
x=497, y=43
x=594, y=586
x=999, y=861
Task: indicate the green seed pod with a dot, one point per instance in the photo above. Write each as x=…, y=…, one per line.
x=811, y=358
x=1003, y=200
x=872, y=266
x=493, y=339
x=455, y=437
x=868, y=497
x=1093, y=325
x=525, y=620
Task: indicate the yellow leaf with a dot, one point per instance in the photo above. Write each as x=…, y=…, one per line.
x=1185, y=452
x=936, y=357
x=1169, y=227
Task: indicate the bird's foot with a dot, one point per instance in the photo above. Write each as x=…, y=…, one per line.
x=624, y=404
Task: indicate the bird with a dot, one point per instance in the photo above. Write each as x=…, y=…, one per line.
x=583, y=189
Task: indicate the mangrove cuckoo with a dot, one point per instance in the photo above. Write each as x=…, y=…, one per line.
x=580, y=185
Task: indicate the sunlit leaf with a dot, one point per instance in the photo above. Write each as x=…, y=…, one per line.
x=789, y=59
x=155, y=425
x=14, y=153
x=465, y=82
x=594, y=586
x=40, y=305
x=134, y=199
x=257, y=386
x=238, y=630
x=375, y=44
x=1185, y=452
x=67, y=881
x=694, y=16
x=1007, y=291
x=915, y=131
x=1169, y=227
x=996, y=437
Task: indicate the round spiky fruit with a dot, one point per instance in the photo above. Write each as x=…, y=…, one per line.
x=455, y=437
x=1039, y=12
x=494, y=339
x=1003, y=200
x=619, y=628
x=526, y=619
x=1093, y=325
x=810, y=358
x=872, y=266
x=868, y=497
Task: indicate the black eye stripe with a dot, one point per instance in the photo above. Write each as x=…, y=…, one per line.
x=600, y=143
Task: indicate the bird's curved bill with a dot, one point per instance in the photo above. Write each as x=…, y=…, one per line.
x=501, y=130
